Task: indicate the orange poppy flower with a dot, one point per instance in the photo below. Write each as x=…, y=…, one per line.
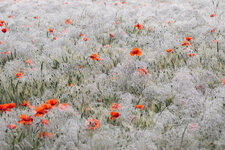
x=191, y=54
x=85, y=39
x=111, y=35
x=188, y=38
x=19, y=75
x=50, y=30
x=4, y=30
x=122, y=2
x=169, y=50
x=135, y=51
x=115, y=106
x=212, y=30
x=44, y=134
x=25, y=104
x=81, y=34
x=11, y=126
x=138, y=26
x=141, y=71
x=46, y=106
x=28, y=61
x=94, y=57
x=185, y=43
x=4, y=108
x=67, y=21
x=25, y=120
x=44, y=121
x=223, y=81
x=52, y=102
x=11, y=105
x=139, y=106
x=212, y=15
x=63, y=106
x=40, y=111
x=114, y=115
x=92, y=124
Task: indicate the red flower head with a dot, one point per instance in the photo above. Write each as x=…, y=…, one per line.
x=85, y=39
x=40, y=111
x=94, y=57
x=212, y=15
x=25, y=120
x=11, y=126
x=52, y=102
x=114, y=115
x=111, y=35
x=63, y=106
x=50, y=30
x=188, y=38
x=141, y=71
x=4, y=30
x=135, y=51
x=115, y=106
x=19, y=75
x=92, y=124
x=24, y=103
x=138, y=26
x=185, y=43
x=67, y=21
x=169, y=50
x=191, y=54
x=139, y=106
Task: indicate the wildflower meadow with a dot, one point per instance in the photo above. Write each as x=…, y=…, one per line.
x=112, y=74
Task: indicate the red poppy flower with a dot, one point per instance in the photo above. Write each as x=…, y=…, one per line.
x=63, y=106
x=212, y=15
x=115, y=106
x=11, y=105
x=114, y=115
x=191, y=54
x=52, y=102
x=11, y=126
x=44, y=134
x=223, y=81
x=135, y=51
x=85, y=39
x=4, y=30
x=92, y=124
x=54, y=38
x=28, y=62
x=67, y=21
x=169, y=50
x=81, y=34
x=185, y=43
x=46, y=106
x=188, y=38
x=94, y=57
x=141, y=71
x=25, y=104
x=50, y=30
x=138, y=26
x=212, y=30
x=139, y=106
x=44, y=121
x=40, y=111
x=19, y=75
x=25, y=120
x=35, y=17
x=111, y=35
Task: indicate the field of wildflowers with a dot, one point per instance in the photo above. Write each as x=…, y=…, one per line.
x=112, y=74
